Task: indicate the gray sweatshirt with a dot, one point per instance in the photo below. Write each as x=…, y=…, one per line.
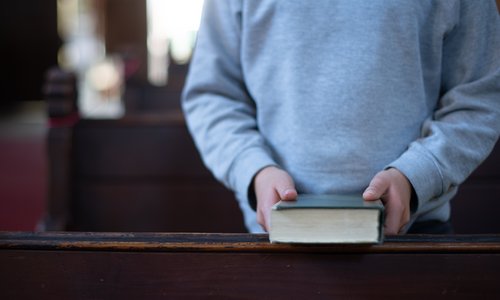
x=334, y=91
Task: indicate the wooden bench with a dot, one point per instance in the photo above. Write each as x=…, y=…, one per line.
x=143, y=173
x=137, y=173
x=243, y=266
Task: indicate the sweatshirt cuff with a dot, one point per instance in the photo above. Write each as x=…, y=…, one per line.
x=421, y=169
x=243, y=170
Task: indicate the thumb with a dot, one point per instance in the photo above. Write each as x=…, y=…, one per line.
x=377, y=187
x=285, y=187
x=288, y=194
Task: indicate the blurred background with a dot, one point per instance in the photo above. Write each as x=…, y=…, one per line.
x=130, y=58
x=105, y=147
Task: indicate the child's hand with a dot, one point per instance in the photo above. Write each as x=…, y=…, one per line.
x=394, y=189
x=271, y=185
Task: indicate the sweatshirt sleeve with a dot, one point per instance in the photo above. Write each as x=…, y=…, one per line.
x=466, y=123
x=220, y=114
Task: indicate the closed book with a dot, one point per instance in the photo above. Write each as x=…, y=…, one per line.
x=344, y=219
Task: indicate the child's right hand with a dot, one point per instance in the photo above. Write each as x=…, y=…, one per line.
x=271, y=185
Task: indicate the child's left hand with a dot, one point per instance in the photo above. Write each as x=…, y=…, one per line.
x=394, y=189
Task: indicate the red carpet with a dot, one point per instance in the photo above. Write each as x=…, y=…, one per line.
x=22, y=171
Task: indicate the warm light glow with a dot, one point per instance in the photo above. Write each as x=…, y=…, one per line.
x=76, y=24
x=172, y=27
x=83, y=52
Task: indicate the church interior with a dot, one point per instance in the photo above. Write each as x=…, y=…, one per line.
x=111, y=152
x=103, y=194
x=92, y=135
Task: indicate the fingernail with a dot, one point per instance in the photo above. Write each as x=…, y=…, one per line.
x=288, y=192
x=369, y=193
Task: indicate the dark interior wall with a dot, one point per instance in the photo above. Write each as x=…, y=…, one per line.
x=28, y=31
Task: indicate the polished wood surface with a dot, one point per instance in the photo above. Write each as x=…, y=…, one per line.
x=242, y=266
x=238, y=242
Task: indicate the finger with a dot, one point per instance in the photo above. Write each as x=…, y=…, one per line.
x=405, y=219
x=287, y=193
x=377, y=187
x=264, y=208
x=262, y=220
x=285, y=188
x=394, y=216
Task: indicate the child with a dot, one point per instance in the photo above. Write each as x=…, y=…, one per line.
x=398, y=100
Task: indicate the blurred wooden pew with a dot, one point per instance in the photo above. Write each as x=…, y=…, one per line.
x=137, y=173
x=143, y=173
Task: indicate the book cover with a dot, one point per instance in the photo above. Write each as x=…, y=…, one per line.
x=327, y=219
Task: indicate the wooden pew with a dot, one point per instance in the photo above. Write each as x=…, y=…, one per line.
x=137, y=173
x=129, y=174
x=144, y=174
x=243, y=266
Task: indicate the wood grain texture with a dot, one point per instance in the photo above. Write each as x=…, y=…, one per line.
x=242, y=266
x=238, y=242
